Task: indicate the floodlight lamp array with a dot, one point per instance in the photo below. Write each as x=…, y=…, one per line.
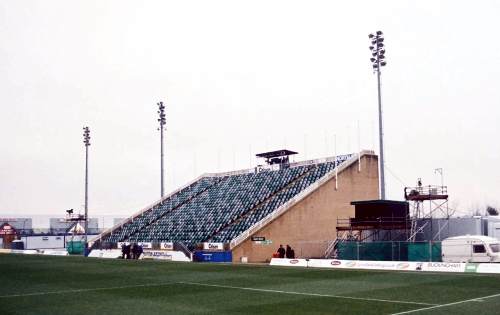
x=161, y=113
x=86, y=136
x=377, y=49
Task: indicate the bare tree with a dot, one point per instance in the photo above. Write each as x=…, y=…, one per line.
x=491, y=210
x=475, y=210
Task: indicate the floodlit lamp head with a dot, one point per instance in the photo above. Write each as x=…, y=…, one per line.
x=383, y=63
x=371, y=48
x=379, y=33
x=373, y=59
x=380, y=45
x=374, y=54
x=380, y=39
x=370, y=36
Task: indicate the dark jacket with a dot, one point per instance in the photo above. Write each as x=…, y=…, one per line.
x=281, y=252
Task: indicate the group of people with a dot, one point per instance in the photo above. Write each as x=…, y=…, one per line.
x=288, y=253
x=131, y=251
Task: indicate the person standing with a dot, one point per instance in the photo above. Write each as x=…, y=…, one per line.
x=134, y=251
x=127, y=250
x=139, y=251
x=288, y=252
x=123, y=250
x=281, y=252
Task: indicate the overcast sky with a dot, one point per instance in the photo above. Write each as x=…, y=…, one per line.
x=239, y=78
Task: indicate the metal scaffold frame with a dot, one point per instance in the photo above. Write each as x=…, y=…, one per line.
x=426, y=202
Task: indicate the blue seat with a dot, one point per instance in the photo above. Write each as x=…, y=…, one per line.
x=220, y=208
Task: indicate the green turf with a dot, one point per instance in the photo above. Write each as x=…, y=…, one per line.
x=43, y=284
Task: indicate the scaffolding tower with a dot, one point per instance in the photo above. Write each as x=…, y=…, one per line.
x=426, y=202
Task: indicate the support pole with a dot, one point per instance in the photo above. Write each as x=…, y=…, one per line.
x=381, y=138
x=86, y=141
x=162, y=173
x=162, y=120
x=86, y=192
x=377, y=49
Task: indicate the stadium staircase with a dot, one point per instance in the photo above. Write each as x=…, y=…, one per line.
x=218, y=234
x=167, y=206
x=160, y=208
x=221, y=207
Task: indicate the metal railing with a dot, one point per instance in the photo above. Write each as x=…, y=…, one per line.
x=430, y=190
x=380, y=222
x=351, y=159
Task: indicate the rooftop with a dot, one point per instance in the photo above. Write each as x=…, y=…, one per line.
x=277, y=153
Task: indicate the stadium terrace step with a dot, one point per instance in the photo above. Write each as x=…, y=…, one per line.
x=219, y=207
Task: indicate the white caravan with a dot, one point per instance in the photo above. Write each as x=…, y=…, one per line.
x=471, y=248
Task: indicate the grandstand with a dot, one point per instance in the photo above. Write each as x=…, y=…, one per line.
x=290, y=203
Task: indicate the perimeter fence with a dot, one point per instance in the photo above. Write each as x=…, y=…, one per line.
x=391, y=250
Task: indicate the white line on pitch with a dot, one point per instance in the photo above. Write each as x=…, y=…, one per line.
x=85, y=290
x=448, y=304
x=305, y=293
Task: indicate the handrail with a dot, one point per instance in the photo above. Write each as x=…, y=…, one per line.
x=249, y=211
x=341, y=158
x=414, y=234
x=331, y=248
x=176, y=207
x=346, y=160
x=144, y=209
x=180, y=246
x=374, y=221
x=297, y=198
x=429, y=190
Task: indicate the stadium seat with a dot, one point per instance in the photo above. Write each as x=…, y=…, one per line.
x=219, y=208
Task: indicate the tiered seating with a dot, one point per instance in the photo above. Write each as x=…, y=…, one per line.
x=160, y=209
x=257, y=214
x=220, y=208
x=219, y=205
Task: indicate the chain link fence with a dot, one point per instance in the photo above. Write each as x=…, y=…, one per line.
x=396, y=251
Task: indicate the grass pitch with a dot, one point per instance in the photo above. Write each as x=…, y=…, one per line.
x=77, y=285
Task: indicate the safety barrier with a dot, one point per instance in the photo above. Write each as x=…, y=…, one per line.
x=105, y=253
x=23, y=251
x=213, y=256
x=54, y=252
x=389, y=265
x=170, y=255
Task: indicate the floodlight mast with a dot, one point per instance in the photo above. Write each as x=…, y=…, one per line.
x=378, y=60
x=86, y=142
x=162, y=120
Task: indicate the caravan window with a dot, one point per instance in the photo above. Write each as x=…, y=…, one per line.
x=479, y=249
x=495, y=248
